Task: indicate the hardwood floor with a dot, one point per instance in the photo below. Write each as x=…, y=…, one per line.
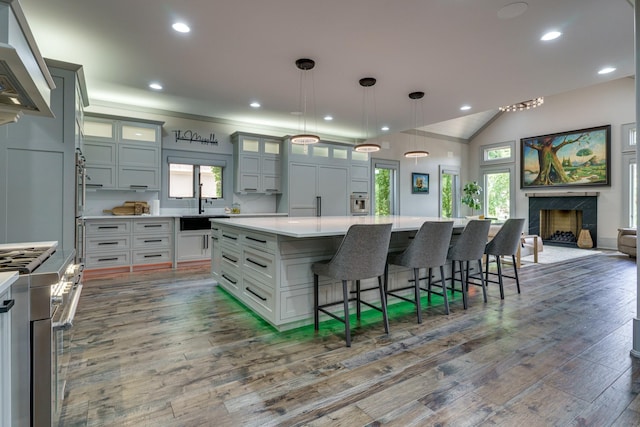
x=171, y=349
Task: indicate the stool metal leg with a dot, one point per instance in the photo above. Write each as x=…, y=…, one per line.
x=416, y=292
x=347, y=329
x=515, y=270
x=383, y=301
x=444, y=289
x=358, y=310
x=316, y=316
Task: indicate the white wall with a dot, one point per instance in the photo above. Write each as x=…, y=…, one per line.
x=608, y=103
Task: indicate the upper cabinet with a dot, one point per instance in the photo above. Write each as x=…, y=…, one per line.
x=122, y=154
x=257, y=161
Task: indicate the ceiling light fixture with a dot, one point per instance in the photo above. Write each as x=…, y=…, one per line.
x=465, y=107
x=305, y=65
x=415, y=154
x=328, y=118
x=607, y=70
x=181, y=27
x=524, y=105
x=367, y=84
x=155, y=86
x=254, y=104
x=551, y=35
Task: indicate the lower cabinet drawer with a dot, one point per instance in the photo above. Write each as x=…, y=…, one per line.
x=151, y=256
x=107, y=227
x=156, y=226
x=258, y=296
x=261, y=263
x=140, y=242
x=103, y=260
x=104, y=243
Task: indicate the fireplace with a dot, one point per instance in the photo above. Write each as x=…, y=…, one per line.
x=560, y=217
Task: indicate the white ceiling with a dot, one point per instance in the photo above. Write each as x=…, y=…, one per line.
x=457, y=51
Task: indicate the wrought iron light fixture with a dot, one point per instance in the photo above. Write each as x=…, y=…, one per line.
x=415, y=154
x=524, y=105
x=305, y=65
x=367, y=83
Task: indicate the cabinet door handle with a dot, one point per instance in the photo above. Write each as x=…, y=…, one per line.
x=107, y=227
x=138, y=186
x=248, y=289
x=94, y=185
x=256, y=263
x=153, y=256
x=108, y=259
x=250, y=189
x=229, y=259
x=255, y=240
x=229, y=279
x=6, y=305
x=271, y=190
x=229, y=237
x=152, y=225
x=153, y=240
x=107, y=243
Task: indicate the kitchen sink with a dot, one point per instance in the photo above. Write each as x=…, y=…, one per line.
x=197, y=222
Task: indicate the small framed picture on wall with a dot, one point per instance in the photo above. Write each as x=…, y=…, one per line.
x=420, y=183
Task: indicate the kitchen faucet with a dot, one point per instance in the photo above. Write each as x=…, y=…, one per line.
x=200, y=206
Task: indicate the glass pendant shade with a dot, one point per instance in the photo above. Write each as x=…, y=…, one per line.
x=415, y=154
x=304, y=138
x=367, y=147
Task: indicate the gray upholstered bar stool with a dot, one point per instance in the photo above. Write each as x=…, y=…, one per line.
x=361, y=255
x=469, y=246
x=504, y=243
x=427, y=250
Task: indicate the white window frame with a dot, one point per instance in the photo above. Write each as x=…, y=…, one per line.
x=510, y=169
x=626, y=137
x=489, y=147
x=628, y=158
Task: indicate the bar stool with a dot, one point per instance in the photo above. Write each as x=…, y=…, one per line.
x=361, y=255
x=469, y=246
x=427, y=250
x=504, y=243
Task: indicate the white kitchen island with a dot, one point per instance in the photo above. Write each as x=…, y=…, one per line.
x=266, y=262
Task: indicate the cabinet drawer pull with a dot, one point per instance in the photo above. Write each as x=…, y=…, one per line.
x=153, y=241
x=229, y=237
x=248, y=289
x=107, y=227
x=107, y=259
x=250, y=189
x=153, y=256
x=256, y=263
x=271, y=189
x=229, y=259
x=255, y=240
x=94, y=185
x=229, y=279
x=152, y=225
x=6, y=305
x=138, y=186
x=107, y=243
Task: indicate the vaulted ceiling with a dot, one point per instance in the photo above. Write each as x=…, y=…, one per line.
x=460, y=52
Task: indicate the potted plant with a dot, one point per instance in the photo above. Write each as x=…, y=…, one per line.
x=471, y=198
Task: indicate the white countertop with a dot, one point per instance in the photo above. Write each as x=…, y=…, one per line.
x=328, y=225
x=240, y=215
x=7, y=279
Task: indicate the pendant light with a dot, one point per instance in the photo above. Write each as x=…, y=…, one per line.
x=305, y=65
x=367, y=83
x=415, y=154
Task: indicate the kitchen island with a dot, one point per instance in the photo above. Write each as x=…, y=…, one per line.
x=266, y=262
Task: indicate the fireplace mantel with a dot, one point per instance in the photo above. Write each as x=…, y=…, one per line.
x=565, y=194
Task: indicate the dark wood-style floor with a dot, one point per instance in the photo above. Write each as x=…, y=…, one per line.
x=171, y=349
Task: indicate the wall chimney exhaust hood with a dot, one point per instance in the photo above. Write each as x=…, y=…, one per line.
x=25, y=81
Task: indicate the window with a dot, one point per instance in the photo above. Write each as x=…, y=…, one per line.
x=182, y=184
x=503, y=152
x=449, y=190
x=385, y=187
x=629, y=137
x=498, y=193
x=629, y=176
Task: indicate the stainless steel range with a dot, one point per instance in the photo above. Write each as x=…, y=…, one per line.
x=46, y=296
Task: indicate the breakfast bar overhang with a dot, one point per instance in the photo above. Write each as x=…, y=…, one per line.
x=266, y=262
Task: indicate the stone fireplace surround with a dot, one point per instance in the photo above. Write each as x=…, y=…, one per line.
x=587, y=202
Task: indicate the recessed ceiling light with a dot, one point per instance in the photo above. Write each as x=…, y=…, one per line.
x=551, y=35
x=255, y=104
x=328, y=118
x=465, y=107
x=384, y=128
x=181, y=27
x=155, y=86
x=607, y=70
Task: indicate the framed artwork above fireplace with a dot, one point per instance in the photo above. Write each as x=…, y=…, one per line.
x=578, y=158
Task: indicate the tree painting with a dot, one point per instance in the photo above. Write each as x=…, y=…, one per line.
x=575, y=158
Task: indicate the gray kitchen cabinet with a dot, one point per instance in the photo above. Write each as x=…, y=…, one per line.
x=257, y=161
x=194, y=245
x=125, y=242
x=5, y=362
x=122, y=154
x=37, y=191
x=310, y=184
